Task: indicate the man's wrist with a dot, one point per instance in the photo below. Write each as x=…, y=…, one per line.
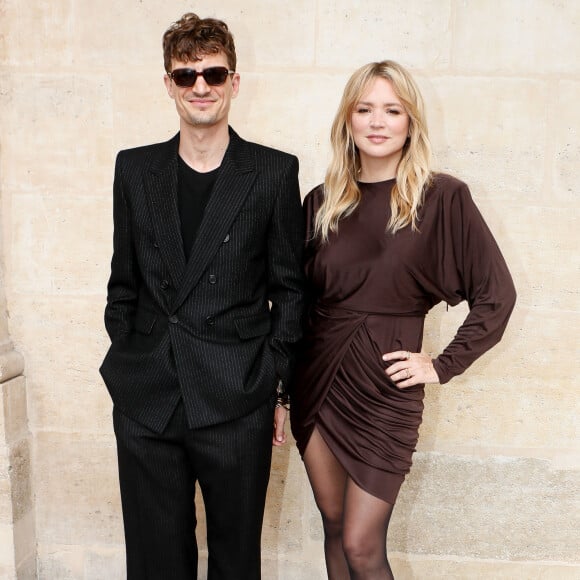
x=282, y=397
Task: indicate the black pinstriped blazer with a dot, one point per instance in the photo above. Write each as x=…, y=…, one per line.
x=203, y=330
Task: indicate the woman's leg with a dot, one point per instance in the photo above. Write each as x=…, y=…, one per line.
x=366, y=520
x=328, y=480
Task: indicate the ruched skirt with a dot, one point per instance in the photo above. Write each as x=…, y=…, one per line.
x=341, y=389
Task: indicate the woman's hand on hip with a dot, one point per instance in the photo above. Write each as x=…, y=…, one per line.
x=410, y=368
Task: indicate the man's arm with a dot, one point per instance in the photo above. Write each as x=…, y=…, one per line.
x=285, y=273
x=124, y=282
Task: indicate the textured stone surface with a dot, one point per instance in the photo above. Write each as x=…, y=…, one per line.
x=14, y=418
x=63, y=562
x=500, y=414
x=518, y=43
x=11, y=363
x=27, y=570
x=543, y=265
x=58, y=155
x=17, y=524
x=25, y=545
x=283, y=529
x=77, y=490
x=53, y=23
x=501, y=135
x=498, y=508
x=48, y=224
x=415, y=32
x=97, y=562
x=424, y=568
x=7, y=563
x=5, y=492
x=103, y=562
x=76, y=322
x=21, y=478
x=566, y=143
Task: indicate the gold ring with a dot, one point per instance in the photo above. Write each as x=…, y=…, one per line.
x=408, y=374
x=408, y=354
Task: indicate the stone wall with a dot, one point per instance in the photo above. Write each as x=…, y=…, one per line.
x=17, y=525
x=494, y=490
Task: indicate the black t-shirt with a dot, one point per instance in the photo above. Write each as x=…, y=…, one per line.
x=192, y=196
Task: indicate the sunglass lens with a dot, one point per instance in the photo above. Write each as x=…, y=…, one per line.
x=184, y=77
x=215, y=75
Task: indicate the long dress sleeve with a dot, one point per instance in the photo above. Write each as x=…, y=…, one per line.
x=472, y=268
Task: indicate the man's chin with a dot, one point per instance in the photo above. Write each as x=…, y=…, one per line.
x=202, y=120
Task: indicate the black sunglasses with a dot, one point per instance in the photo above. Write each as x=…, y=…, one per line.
x=213, y=76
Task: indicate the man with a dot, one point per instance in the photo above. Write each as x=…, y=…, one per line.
x=204, y=306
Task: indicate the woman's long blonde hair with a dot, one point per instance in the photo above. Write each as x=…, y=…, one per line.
x=341, y=191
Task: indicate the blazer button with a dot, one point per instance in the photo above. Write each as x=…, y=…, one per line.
x=226, y=239
x=210, y=321
x=164, y=284
x=212, y=279
x=173, y=319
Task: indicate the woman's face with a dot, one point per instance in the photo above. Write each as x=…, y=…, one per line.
x=380, y=125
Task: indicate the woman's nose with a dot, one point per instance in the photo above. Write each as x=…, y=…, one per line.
x=377, y=119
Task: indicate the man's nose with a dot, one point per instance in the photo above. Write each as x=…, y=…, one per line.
x=200, y=87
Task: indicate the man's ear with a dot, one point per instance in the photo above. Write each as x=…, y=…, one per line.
x=235, y=85
x=169, y=85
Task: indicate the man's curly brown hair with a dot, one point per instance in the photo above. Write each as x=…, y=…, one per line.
x=191, y=38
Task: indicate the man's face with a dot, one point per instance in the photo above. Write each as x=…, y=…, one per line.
x=203, y=105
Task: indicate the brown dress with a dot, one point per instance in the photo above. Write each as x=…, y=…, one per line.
x=370, y=293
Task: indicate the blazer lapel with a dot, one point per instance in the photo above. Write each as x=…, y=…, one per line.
x=234, y=182
x=161, y=191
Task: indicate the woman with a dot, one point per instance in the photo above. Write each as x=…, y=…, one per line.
x=388, y=239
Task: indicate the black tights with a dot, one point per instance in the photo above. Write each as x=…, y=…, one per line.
x=355, y=522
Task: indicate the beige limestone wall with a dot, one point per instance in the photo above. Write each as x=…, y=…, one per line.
x=494, y=490
x=17, y=523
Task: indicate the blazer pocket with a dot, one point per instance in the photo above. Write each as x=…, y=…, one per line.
x=253, y=326
x=145, y=321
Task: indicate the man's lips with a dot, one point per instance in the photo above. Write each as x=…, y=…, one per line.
x=201, y=102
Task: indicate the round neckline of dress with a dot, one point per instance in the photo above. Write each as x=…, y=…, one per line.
x=376, y=182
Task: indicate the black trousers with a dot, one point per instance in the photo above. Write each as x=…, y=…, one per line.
x=158, y=473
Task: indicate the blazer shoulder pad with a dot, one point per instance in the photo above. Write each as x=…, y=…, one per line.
x=151, y=150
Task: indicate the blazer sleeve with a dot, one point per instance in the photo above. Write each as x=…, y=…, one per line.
x=285, y=274
x=125, y=279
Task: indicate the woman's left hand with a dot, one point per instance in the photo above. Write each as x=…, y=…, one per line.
x=279, y=436
x=410, y=368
